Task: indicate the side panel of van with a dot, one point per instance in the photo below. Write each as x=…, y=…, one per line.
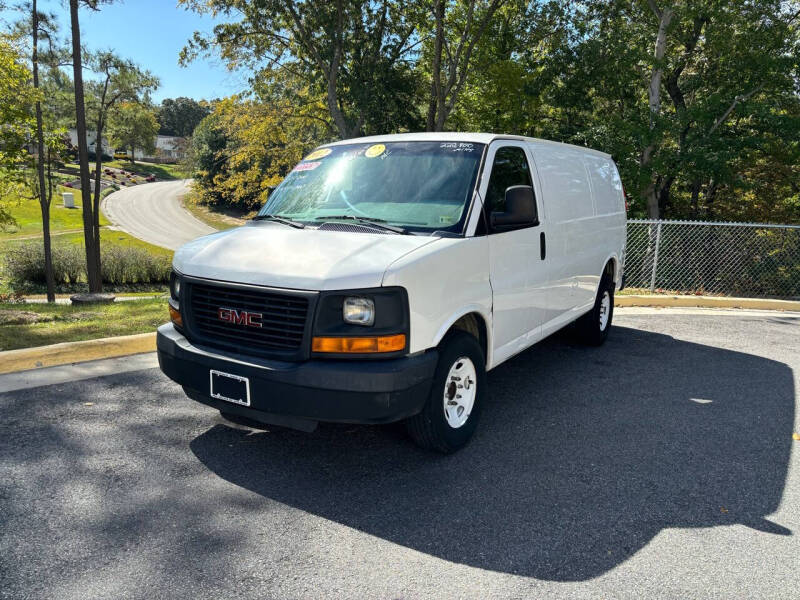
x=567, y=198
x=583, y=198
x=609, y=204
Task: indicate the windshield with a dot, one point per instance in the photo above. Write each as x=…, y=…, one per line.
x=420, y=186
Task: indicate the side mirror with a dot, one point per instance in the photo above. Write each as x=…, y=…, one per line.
x=520, y=210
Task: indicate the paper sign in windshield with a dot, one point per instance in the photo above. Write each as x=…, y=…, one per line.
x=321, y=153
x=307, y=166
x=375, y=150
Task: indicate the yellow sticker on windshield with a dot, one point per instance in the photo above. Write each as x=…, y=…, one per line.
x=321, y=153
x=375, y=150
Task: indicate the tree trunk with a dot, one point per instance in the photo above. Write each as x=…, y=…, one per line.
x=92, y=253
x=652, y=191
x=695, y=188
x=435, y=104
x=44, y=198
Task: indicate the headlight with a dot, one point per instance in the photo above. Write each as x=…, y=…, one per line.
x=358, y=311
x=175, y=286
x=361, y=323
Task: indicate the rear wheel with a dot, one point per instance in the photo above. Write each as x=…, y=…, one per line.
x=593, y=327
x=457, y=393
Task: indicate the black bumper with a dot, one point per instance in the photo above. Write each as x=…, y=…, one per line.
x=287, y=393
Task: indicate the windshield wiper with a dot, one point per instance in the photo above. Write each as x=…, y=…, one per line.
x=379, y=223
x=279, y=219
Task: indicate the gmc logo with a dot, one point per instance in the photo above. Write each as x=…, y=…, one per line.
x=239, y=317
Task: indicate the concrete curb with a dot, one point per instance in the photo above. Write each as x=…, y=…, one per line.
x=660, y=301
x=74, y=352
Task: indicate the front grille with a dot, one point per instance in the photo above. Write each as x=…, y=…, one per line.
x=283, y=320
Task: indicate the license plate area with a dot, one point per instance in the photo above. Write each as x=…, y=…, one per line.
x=229, y=387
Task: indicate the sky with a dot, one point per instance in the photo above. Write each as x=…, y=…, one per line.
x=151, y=33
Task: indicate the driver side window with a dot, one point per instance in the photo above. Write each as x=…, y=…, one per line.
x=510, y=167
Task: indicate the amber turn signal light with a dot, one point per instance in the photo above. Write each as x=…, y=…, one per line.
x=359, y=345
x=175, y=315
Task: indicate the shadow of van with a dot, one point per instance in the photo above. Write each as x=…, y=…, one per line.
x=582, y=457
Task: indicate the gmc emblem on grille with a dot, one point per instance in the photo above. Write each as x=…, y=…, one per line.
x=239, y=317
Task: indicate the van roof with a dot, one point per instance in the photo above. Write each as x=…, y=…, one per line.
x=450, y=136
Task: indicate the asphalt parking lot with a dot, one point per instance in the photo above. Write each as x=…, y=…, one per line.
x=661, y=465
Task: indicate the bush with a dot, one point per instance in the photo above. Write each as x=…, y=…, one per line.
x=120, y=265
x=24, y=265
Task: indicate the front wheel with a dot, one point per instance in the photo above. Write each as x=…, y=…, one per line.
x=456, y=398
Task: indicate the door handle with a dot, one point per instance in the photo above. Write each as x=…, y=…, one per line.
x=542, y=245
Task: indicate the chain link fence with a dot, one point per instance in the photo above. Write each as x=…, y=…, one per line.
x=733, y=259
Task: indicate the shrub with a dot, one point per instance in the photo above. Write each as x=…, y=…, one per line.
x=24, y=265
x=120, y=265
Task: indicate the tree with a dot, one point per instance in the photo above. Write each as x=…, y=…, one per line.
x=244, y=148
x=664, y=17
x=17, y=122
x=42, y=26
x=458, y=27
x=180, y=116
x=134, y=126
x=350, y=50
x=91, y=241
x=120, y=80
x=679, y=102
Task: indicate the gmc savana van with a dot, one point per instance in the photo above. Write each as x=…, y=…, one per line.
x=386, y=275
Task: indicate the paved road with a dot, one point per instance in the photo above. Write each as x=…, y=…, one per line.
x=153, y=212
x=661, y=466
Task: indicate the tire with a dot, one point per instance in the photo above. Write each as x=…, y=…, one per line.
x=593, y=327
x=447, y=421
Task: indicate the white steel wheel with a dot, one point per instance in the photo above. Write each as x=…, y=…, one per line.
x=460, y=389
x=605, y=310
x=456, y=396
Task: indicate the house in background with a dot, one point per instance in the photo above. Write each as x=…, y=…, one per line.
x=91, y=138
x=169, y=149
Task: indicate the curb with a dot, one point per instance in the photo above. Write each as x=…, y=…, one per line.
x=74, y=352
x=706, y=302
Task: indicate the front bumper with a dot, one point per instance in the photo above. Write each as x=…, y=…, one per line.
x=290, y=393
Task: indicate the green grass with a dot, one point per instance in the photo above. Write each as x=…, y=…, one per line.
x=118, y=238
x=107, y=237
x=213, y=217
x=55, y=323
x=28, y=215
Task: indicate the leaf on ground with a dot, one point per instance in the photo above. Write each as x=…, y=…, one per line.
x=796, y=436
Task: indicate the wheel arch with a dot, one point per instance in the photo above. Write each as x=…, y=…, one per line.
x=473, y=321
x=611, y=267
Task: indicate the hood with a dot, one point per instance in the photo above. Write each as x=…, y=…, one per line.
x=275, y=255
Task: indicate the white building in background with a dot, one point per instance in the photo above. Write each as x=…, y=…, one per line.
x=169, y=148
x=91, y=137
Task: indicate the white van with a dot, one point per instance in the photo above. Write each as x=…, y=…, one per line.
x=386, y=275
